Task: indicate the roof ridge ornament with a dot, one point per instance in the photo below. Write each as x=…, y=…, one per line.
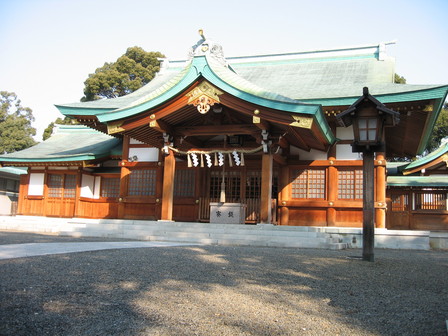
x=207, y=47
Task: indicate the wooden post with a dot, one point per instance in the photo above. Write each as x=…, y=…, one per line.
x=168, y=187
x=380, y=213
x=332, y=195
x=266, y=189
x=124, y=178
x=368, y=228
x=284, y=195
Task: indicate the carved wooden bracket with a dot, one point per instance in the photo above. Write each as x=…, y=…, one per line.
x=203, y=96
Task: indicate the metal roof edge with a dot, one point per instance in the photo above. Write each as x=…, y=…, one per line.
x=432, y=92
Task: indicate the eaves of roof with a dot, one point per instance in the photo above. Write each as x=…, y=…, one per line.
x=417, y=181
x=428, y=158
x=72, y=143
x=397, y=93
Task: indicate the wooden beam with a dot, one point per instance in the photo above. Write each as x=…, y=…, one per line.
x=216, y=130
x=161, y=126
x=281, y=160
x=193, y=142
x=294, y=132
x=261, y=124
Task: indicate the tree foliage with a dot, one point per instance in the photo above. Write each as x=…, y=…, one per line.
x=16, y=132
x=399, y=79
x=128, y=73
x=440, y=130
x=59, y=121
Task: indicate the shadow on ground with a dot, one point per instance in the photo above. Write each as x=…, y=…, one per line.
x=216, y=290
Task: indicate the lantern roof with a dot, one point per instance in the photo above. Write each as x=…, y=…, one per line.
x=345, y=118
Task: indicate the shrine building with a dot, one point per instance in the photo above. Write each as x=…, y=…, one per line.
x=250, y=139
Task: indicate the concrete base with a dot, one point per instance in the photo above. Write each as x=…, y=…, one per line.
x=226, y=234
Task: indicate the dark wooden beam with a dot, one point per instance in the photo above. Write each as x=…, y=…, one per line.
x=281, y=160
x=216, y=130
x=161, y=126
x=261, y=124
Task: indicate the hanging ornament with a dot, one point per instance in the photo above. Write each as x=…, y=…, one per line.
x=242, y=158
x=220, y=159
x=208, y=160
x=195, y=159
x=190, y=164
x=202, y=160
x=216, y=159
x=236, y=158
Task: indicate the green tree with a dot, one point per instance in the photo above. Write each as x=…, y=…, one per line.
x=127, y=74
x=440, y=130
x=16, y=132
x=399, y=79
x=59, y=121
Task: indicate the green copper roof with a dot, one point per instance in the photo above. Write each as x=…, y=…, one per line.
x=417, y=181
x=70, y=143
x=13, y=171
x=443, y=149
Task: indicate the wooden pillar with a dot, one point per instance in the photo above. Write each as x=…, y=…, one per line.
x=267, y=168
x=124, y=178
x=368, y=227
x=77, y=194
x=284, y=196
x=332, y=195
x=168, y=187
x=380, y=212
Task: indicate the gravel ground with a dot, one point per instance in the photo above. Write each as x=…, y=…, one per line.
x=217, y=290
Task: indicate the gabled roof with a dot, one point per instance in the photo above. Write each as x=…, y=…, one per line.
x=69, y=143
x=206, y=64
x=299, y=82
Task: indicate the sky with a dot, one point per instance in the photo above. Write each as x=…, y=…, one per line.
x=49, y=47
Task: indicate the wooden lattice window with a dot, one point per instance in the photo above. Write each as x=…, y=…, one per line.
x=110, y=187
x=253, y=184
x=232, y=185
x=69, y=186
x=184, y=183
x=142, y=182
x=431, y=200
x=61, y=185
x=400, y=202
x=308, y=183
x=55, y=185
x=350, y=184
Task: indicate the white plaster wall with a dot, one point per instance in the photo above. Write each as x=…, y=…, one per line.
x=135, y=142
x=36, y=186
x=145, y=154
x=5, y=205
x=344, y=133
x=96, y=192
x=311, y=155
x=87, y=186
x=344, y=152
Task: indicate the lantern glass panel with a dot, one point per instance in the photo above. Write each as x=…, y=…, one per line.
x=367, y=129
